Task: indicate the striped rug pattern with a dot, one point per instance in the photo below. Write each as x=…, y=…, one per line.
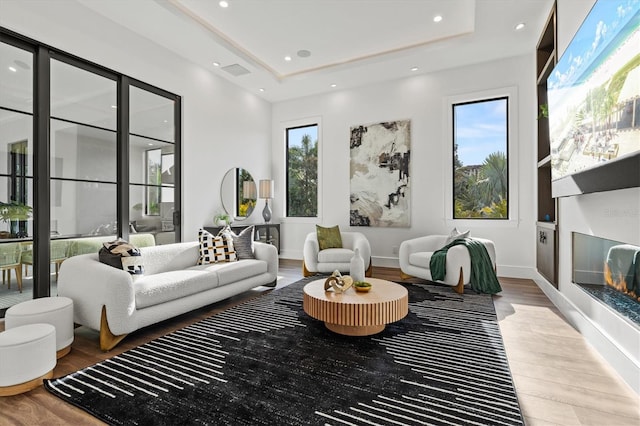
x=266, y=362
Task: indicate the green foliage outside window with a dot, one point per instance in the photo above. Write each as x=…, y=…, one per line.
x=481, y=191
x=302, y=176
x=480, y=166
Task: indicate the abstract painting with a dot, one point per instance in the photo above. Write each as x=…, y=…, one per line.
x=380, y=155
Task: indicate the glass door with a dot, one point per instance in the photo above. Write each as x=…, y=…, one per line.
x=16, y=172
x=152, y=166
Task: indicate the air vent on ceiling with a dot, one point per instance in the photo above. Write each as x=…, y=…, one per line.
x=236, y=70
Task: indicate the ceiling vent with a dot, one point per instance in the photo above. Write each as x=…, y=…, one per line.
x=236, y=70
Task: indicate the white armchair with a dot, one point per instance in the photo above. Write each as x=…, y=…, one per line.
x=328, y=260
x=414, y=256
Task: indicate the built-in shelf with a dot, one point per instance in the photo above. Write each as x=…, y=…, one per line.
x=546, y=226
x=546, y=69
x=545, y=162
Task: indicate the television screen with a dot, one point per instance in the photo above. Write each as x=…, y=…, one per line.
x=594, y=103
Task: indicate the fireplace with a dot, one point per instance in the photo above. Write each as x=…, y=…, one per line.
x=609, y=271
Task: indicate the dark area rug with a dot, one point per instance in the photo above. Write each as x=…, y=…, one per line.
x=266, y=362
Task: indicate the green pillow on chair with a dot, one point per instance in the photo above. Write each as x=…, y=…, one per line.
x=329, y=237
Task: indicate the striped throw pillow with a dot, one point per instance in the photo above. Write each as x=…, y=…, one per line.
x=242, y=242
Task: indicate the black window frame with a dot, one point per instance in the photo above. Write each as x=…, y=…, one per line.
x=41, y=113
x=287, y=159
x=453, y=147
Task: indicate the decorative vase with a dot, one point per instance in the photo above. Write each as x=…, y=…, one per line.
x=266, y=212
x=356, y=269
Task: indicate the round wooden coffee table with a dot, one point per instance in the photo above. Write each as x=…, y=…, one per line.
x=353, y=313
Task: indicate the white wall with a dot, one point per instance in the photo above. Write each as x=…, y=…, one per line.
x=221, y=123
x=421, y=99
x=613, y=215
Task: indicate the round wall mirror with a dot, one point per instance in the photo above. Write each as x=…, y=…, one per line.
x=238, y=193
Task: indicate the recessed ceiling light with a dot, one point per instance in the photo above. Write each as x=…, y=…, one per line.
x=114, y=106
x=437, y=18
x=12, y=69
x=165, y=121
x=415, y=69
x=261, y=89
x=287, y=58
x=520, y=26
x=216, y=64
x=333, y=85
x=223, y=4
x=150, y=144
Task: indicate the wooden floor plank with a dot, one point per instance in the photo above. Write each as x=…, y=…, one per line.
x=559, y=378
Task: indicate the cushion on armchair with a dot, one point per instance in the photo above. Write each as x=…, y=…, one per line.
x=329, y=237
x=456, y=235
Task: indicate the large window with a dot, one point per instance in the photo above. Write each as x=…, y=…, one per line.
x=302, y=171
x=480, y=159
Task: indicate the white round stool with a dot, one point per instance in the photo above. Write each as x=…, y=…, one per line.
x=57, y=311
x=27, y=355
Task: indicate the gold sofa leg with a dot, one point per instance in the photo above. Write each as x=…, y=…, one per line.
x=459, y=288
x=305, y=271
x=404, y=276
x=108, y=340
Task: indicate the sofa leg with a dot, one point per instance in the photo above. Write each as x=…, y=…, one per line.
x=404, y=276
x=459, y=288
x=108, y=340
x=273, y=284
x=305, y=271
x=369, y=271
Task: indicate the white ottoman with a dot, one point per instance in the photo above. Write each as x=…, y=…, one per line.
x=27, y=356
x=57, y=311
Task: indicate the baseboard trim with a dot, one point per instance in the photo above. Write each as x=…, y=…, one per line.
x=507, y=271
x=621, y=361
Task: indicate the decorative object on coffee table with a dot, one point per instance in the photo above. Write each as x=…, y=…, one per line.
x=356, y=269
x=362, y=286
x=266, y=192
x=338, y=282
x=354, y=314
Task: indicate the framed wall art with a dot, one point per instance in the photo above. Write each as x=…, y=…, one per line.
x=379, y=174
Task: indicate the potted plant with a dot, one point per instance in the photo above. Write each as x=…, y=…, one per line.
x=544, y=111
x=12, y=213
x=222, y=219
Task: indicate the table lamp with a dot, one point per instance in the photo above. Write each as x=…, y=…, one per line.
x=266, y=191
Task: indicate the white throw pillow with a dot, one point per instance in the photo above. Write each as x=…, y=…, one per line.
x=455, y=234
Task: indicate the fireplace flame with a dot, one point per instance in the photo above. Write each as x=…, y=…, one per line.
x=618, y=283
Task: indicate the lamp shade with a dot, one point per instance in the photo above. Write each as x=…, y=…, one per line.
x=249, y=190
x=266, y=188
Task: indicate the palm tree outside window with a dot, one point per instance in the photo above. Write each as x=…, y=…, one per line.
x=480, y=159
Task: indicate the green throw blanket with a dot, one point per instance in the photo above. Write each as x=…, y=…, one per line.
x=483, y=277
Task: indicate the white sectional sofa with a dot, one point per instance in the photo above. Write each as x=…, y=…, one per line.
x=115, y=303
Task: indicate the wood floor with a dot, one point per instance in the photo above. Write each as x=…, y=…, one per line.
x=559, y=378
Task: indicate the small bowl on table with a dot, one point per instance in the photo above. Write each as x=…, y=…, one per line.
x=362, y=286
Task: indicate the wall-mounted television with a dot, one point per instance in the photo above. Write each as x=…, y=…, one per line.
x=594, y=103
